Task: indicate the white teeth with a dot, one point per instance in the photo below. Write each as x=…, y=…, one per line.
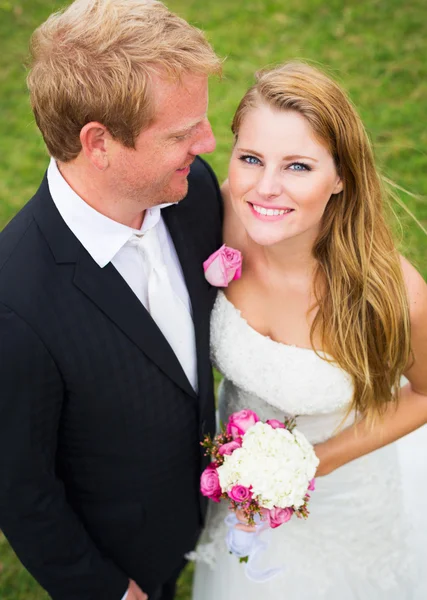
x=270, y=212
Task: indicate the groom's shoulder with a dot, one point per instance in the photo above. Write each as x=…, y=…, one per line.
x=202, y=179
x=203, y=200
x=19, y=233
x=16, y=232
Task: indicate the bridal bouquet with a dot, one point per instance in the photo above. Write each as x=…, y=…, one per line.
x=265, y=469
x=261, y=468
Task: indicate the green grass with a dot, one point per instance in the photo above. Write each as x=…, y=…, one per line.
x=376, y=48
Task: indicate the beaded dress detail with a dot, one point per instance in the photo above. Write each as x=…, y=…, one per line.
x=356, y=543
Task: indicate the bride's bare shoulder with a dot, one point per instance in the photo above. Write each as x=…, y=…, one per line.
x=233, y=231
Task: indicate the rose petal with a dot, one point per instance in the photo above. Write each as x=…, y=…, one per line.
x=223, y=266
x=216, y=273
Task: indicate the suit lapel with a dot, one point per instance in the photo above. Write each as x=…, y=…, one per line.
x=107, y=289
x=180, y=228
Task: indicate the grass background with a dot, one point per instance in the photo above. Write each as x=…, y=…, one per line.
x=376, y=48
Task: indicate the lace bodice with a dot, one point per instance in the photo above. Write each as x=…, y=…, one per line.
x=276, y=379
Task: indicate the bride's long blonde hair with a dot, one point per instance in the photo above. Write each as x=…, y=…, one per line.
x=363, y=313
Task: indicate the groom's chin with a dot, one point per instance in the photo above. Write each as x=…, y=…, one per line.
x=177, y=192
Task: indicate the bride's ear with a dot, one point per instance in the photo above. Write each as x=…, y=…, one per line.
x=339, y=186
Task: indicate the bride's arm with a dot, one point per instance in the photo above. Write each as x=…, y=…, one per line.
x=411, y=410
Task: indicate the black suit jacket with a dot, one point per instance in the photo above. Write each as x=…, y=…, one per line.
x=99, y=427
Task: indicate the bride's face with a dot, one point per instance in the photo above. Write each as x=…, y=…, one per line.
x=281, y=177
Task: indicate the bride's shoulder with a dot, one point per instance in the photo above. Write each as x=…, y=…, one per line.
x=416, y=289
x=417, y=300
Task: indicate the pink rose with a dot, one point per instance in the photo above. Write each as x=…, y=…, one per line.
x=230, y=447
x=312, y=485
x=222, y=266
x=239, y=422
x=278, y=516
x=209, y=483
x=275, y=424
x=240, y=493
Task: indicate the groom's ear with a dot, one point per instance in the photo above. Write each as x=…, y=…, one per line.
x=94, y=140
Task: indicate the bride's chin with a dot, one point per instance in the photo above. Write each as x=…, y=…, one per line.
x=263, y=239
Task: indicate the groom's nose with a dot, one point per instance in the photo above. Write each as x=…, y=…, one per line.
x=205, y=141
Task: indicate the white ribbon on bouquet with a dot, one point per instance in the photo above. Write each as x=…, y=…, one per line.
x=248, y=544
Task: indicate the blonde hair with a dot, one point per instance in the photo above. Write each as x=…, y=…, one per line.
x=93, y=62
x=363, y=313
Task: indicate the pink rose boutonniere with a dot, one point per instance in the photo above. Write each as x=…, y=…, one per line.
x=223, y=266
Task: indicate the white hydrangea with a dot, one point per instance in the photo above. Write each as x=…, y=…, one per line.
x=277, y=464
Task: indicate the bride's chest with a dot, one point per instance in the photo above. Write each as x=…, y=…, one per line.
x=284, y=321
x=293, y=379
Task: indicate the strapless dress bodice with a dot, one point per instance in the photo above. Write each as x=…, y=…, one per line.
x=276, y=379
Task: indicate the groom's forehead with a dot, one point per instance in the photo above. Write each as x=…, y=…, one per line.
x=180, y=105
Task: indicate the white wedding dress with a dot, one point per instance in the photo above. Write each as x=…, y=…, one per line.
x=365, y=536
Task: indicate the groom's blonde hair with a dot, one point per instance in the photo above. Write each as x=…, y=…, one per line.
x=93, y=62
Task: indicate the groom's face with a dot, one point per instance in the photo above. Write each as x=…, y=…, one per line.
x=156, y=171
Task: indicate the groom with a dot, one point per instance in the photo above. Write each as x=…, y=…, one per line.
x=106, y=384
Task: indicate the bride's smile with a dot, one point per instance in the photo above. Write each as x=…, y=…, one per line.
x=281, y=177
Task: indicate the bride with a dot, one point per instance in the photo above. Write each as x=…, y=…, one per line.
x=324, y=321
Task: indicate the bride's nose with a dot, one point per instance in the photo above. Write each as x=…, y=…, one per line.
x=269, y=184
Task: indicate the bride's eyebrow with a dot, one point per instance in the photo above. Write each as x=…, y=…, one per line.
x=299, y=157
x=246, y=151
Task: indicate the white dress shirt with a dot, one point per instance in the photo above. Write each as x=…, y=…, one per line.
x=109, y=241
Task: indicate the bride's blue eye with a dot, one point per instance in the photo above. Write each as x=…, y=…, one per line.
x=249, y=159
x=298, y=166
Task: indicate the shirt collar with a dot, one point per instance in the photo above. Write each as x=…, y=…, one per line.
x=101, y=236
